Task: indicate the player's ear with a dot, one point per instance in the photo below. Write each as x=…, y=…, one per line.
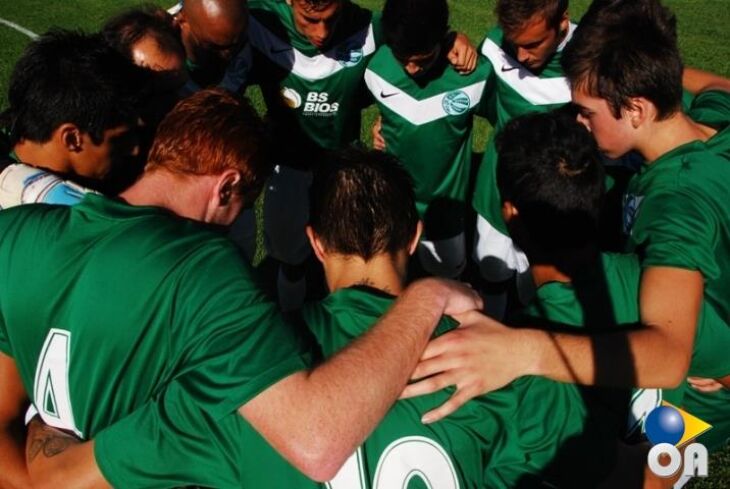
x=316, y=243
x=70, y=137
x=564, y=22
x=509, y=211
x=226, y=185
x=639, y=111
x=416, y=238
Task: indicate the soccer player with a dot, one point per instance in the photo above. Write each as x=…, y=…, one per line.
x=72, y=119
x=123, y=299
x=309, y=57
x=524, y=53
x=626, y=79
x=427, y=110
x=363, y=227
x=551, y=180
x=147, y=37
x=213, y=33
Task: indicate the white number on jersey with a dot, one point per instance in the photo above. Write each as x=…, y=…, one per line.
x=51, y=390
x=401, y=461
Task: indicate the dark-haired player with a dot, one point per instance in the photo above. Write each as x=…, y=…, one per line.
x=524, y=54
x=427, y=111
x=363, y=228
x=72, y=119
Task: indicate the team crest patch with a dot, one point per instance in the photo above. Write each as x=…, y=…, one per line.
x=291, y=98
x=631, y=210
x=349, y=55
x=456, y=102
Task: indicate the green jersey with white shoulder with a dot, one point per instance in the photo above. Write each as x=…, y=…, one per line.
x=514, y=91
x=118, y=301
x=427, y=123
x=314, y=97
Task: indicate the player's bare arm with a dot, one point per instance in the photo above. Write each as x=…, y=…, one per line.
x=484, y=355
x=44, y=448
x=378, y=139
x=697, y=81
x=340, y=402
x=13, y=402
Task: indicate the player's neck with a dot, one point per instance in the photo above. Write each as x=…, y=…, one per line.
x=543, y=274
x=565, y=268
x=42, y=155
x=661, y=137
x=182, y=196
x=382, y=272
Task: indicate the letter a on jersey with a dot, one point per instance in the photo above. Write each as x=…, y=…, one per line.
x=51, y=390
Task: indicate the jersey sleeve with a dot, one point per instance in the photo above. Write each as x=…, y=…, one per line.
x=229, y=339
x=712, y=108
x=677, y=230
x=156, y=444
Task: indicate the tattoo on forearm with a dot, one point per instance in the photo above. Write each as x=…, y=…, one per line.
x=50, y=441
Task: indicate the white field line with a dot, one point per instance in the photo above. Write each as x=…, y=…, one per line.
x=18, y=28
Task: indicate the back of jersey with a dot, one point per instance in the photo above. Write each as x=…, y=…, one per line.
x=402, y=451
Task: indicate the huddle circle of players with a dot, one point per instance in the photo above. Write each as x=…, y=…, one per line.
x=140, y=348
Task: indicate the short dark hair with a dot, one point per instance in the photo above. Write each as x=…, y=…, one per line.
x=362, y=203
x=67, y=76
x=413, y=27
x=123, y=31
x=512, y=15
x=551, y=170
x=317, y=5
x=626, y=50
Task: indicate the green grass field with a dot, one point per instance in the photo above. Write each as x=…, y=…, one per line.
x=703, y=30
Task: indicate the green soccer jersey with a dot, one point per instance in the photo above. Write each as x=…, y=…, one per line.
x=492, y=441
x=607, y=295
x=314, y=98
x=427, y=124
x=513, y=91
x=712, y=108
x=117, y=301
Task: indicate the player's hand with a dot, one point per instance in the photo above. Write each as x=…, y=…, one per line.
x=463, y=54
x=378, y=140
x=460, y=297
x=480, y=356
x=705, y=385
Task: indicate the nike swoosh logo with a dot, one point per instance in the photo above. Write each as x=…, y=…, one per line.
x=279, y=51
x=509, y=68
x=383, y=95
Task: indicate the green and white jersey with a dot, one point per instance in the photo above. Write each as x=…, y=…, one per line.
x=712, y=108
x=607, y=296
x=428, y=124
x=117, y=301
x=514, y=91
x=314, y=98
